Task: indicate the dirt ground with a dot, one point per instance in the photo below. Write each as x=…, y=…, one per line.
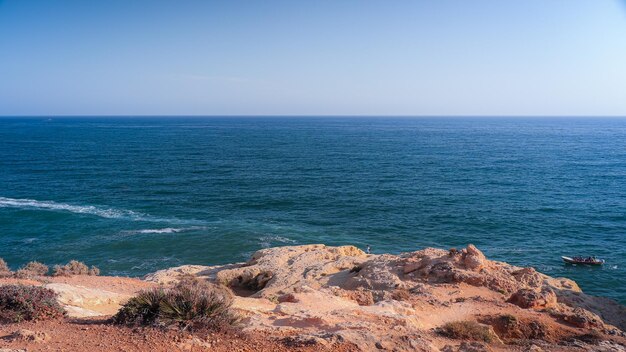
x=98, y=334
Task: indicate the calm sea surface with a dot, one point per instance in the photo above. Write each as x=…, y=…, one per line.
x=135, y=195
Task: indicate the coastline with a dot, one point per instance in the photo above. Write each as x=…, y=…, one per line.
x=417, y=182
x=328, y=298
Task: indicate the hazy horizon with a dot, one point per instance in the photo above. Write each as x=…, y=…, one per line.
x=277, y=58
x=330, y=116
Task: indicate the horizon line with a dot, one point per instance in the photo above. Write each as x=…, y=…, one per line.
x=308, y=115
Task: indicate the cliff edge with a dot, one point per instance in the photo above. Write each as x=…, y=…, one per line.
x=317, y=297
x=320, y=294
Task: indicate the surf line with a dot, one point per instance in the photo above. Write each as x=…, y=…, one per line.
x=108, y=213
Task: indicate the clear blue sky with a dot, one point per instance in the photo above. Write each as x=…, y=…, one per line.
x=436, y=57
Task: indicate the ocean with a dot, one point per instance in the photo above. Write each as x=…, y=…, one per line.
x=134, y=195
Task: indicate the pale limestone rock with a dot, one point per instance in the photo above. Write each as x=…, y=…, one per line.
x=341, y=293
x=82, y=301
x=473, y=258
x=382, y=272
x=276, y=271
x=78, y=312
x=172, y=275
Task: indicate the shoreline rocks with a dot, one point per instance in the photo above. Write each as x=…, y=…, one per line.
x=321, y=292
x=323, y=295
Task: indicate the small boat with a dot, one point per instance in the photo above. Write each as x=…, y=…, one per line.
x=582, y=260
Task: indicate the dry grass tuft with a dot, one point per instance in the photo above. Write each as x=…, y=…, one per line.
x=468, y=330
x=75, y=268
x=4, y=269
x=32, y=269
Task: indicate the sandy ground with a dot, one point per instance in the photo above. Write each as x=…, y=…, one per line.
x=122, y=285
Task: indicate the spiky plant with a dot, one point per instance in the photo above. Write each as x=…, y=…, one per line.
x=143, y=309
x=189, y=305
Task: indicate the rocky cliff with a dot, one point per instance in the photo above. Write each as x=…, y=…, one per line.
x=319, y=297
x=321, y=294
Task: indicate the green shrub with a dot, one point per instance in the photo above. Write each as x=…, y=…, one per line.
x=190, y=305
x=468, y=330
x=142, y=309
x=32, y=269
x=75, y=268
x=20, y=302
x=4, y=269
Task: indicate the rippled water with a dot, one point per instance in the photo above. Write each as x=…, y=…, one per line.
x=135, y=195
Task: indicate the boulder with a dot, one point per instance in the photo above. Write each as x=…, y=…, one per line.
x=533, y=299
x=528, y=277
x=582, y=318
x=473, y=259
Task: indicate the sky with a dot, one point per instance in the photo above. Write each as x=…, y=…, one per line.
x=321, y=57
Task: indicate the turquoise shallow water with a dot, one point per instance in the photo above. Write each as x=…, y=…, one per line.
x=134, y=195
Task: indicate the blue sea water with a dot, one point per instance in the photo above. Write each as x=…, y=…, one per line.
x=133, y=195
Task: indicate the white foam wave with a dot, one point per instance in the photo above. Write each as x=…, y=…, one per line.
x=163, y=230
x=79, y=209
x=269, y=241
x=108, y=213
x=276, y=239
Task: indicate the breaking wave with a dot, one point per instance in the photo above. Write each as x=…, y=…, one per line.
x=108, y=213
x=269, y=241
x=163, y=230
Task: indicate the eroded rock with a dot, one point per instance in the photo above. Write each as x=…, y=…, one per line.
x=531, y=298
x=473, y=258
x=315, y=291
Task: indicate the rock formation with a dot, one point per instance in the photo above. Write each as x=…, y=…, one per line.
x=396, y=302
x=316, y=295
